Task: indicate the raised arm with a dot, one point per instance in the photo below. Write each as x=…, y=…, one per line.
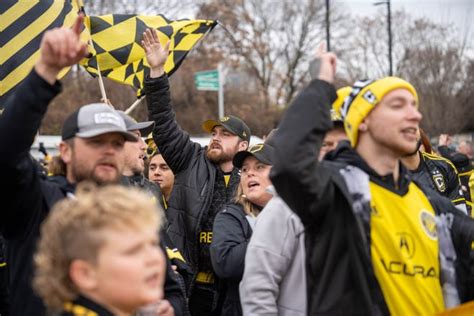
x=22, y=118
x=296, y=174
x=174, y=143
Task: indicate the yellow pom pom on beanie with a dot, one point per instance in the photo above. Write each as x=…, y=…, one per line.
x=342, y=94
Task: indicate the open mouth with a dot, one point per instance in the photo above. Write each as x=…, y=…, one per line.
x=215, y=146
x=410, y=132
x=253, y=184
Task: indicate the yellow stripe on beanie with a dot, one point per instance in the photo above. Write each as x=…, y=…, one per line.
x=362, y=99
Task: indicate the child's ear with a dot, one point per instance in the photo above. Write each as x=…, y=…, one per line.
x=83, y=275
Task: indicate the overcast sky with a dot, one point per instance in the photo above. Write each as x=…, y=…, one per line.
x=460, y=13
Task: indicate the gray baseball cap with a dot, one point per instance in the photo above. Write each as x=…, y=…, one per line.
x=93, y=120
x=145, y=128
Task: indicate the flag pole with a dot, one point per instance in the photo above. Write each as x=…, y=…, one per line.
x=101, y=81
x=133, y=106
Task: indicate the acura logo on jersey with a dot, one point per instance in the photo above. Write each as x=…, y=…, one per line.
x=406, y=245
x=398, y=267
x=428, y=222
x=439, y=181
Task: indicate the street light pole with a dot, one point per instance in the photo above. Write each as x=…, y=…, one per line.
x=328, y=36
x=389, y=28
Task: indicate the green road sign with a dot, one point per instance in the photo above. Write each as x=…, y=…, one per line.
x=207, y=80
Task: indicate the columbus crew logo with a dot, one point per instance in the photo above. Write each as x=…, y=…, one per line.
x=428, y=222
x=439, y=181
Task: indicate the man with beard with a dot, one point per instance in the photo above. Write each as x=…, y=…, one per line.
x=133, y=175
x=135, y=153
x=92, y=149
x=205, y=178
x=377, y=242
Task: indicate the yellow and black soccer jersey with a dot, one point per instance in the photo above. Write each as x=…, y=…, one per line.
x=440, y=175
x=404, y=250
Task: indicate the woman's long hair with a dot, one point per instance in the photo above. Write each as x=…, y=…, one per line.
x=249, y=208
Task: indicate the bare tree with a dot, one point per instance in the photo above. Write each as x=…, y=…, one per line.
x=429, y=55
x=274, y=40
x=172, y=9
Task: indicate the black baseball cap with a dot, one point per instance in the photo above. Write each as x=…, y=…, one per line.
x=262, y=152
x=145, y=128
x=231, y=123
x=93, y=120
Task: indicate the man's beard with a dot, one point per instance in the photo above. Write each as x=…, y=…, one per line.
x=219, y=156
x=80, y=173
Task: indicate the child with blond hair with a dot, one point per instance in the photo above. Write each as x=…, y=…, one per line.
x=99, y=253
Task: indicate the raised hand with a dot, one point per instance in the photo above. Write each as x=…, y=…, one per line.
x=156, y=54
x=60, y=47
x=444, y=140
x=327, y=70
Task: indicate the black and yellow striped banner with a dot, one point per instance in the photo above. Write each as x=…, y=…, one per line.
x=22, y=24
x=117, y=43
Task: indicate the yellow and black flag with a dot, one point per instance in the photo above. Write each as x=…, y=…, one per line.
x=117, y=42
x=22, y=24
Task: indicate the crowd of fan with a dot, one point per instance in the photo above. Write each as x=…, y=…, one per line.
x=346, y=208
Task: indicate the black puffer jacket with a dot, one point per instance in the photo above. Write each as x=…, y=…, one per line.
x=195, y=175
x=230, y=237
x=341, y=278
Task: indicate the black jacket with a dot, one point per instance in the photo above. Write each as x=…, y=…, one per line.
x=195, y=174
x=341, y=279
x=4, y=296
x=465, y=168
x=175, y=290
x=139, y=180
x=230, y=236
x=440, y=175
x=27, y=197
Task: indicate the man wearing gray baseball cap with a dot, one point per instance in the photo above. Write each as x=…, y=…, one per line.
x=93, y=144
x=92, y=149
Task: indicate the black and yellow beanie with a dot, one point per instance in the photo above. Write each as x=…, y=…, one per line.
x=365, y=95
x=342, y=94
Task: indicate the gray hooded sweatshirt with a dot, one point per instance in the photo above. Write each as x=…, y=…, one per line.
x=274, y=281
